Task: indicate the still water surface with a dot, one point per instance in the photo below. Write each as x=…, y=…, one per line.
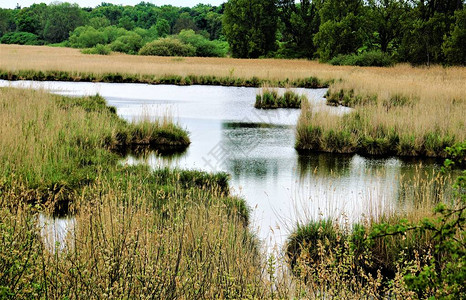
x=228, y=134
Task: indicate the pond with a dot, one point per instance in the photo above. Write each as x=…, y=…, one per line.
x=256, y=147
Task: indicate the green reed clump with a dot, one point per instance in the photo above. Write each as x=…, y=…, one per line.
x=308, y=236
x=355, y=132
x=270, y=98
x=348, y=98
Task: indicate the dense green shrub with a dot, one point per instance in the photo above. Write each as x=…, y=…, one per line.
x=129, y=43
x=20, y=38
x=366, y=59
x=167, y=47
x=204, y=47
x=98, y=49
x=87, y=37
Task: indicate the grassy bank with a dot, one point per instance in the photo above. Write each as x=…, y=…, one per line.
x=401, y=128
x=137, y=233
x=269, y=98
x=54, y=144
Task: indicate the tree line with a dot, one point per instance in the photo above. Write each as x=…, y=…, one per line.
x=357, y=32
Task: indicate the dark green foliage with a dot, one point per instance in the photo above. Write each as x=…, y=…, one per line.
x=20, y=38
x=31, y=19
x=167, y=47
x=454, y=46
x=162, y=27
x=62, y=18
x=250, y=27
x=349, y=32
x=365, y=59
x=7, y=21
x=386, y=18
x=342, y=28
x=301, y=22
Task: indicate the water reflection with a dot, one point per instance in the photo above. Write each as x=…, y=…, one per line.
x=56, y=230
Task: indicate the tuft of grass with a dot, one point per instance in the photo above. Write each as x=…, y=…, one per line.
x=269, y=98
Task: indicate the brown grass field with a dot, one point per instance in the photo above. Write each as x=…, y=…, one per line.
x=433, y=84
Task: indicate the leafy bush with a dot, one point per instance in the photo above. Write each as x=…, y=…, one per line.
x=112, y=33
x=20, y=38
x=366, y=59
x=98, y=49
x=129, y=43
x=204, y=47
x=87, y=37
x=167, y=47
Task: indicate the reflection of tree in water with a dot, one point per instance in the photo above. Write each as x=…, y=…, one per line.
x=254, y=168
x=324, y=164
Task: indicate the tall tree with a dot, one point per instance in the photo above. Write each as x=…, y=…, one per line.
x=386, y=17
x=454, y=47
x=250, y=27
x=31, y=19
x=301, y=22
x=342, y=29
x=7, y=21
x=62, y=18
x=424, y=31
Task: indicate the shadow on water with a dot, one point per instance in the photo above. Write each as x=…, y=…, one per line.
x=143, y=151
x=325, y=164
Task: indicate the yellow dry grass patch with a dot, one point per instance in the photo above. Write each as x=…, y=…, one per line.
x=433, y=83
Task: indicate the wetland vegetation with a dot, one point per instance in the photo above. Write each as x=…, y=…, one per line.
x=180, y=234
x=269, y=98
